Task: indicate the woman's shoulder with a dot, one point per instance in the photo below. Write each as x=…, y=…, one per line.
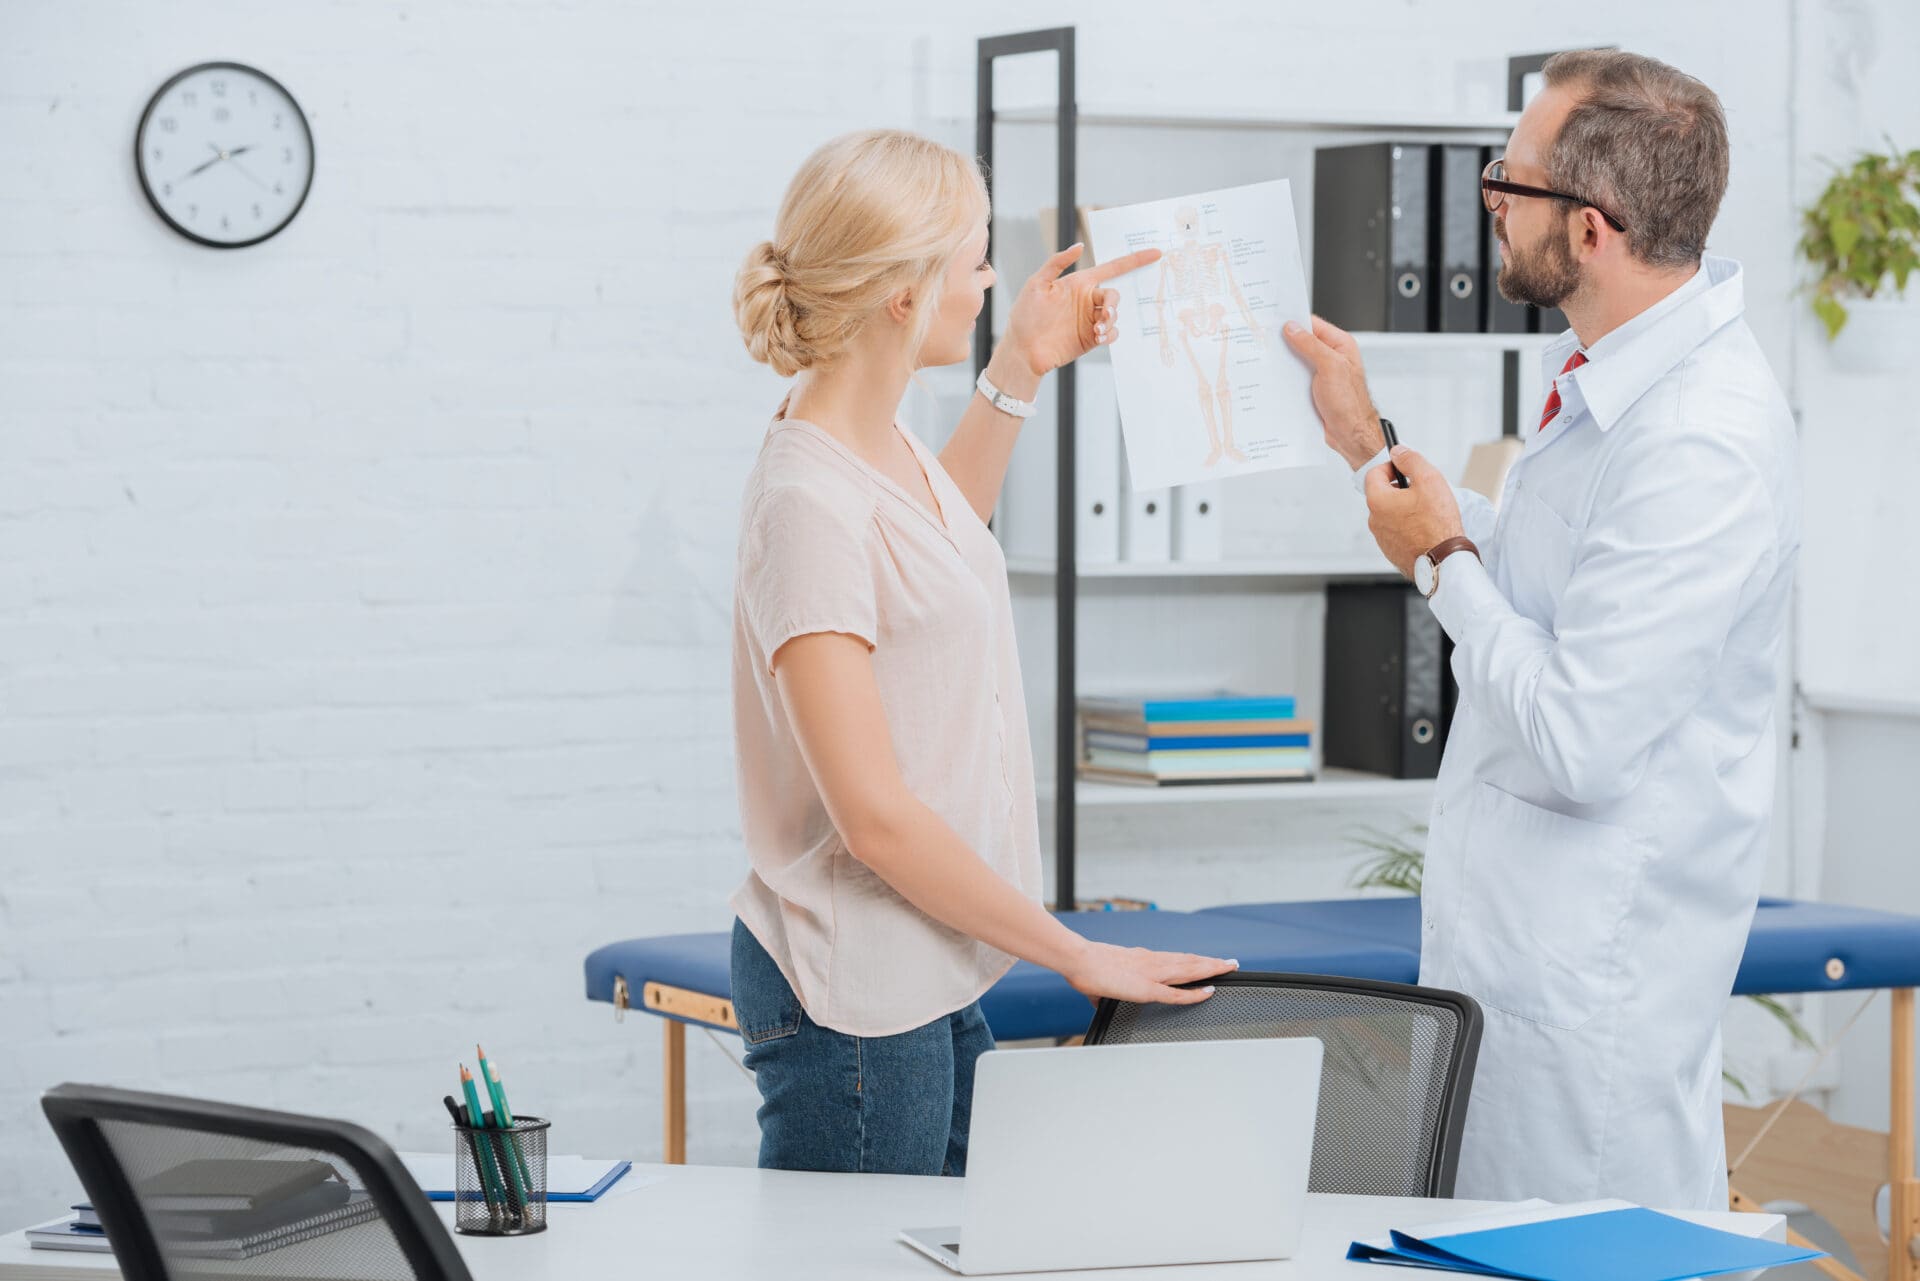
x=801, y=480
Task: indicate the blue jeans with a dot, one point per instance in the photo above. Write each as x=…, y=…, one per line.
x=853, y=1104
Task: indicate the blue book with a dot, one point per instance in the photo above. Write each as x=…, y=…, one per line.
x=67, y=1234
x=1197, y=743
x=1219, y=707
x=1612, y=1241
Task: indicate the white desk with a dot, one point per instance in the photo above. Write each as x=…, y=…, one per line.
x=726, y=1223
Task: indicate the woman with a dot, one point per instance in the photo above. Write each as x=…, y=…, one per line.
x=886, y=781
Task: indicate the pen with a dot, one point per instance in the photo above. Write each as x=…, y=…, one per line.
x=473, y=1145
x=1394, y=475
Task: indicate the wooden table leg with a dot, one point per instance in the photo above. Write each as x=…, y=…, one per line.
x=1905, y=1219
x=673, y=1079
x=680, y=1003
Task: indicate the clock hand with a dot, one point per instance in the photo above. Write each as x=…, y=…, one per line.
x=202, y=167
x=248, y=172
x=240, y=151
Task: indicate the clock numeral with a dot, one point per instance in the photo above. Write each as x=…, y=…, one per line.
x=221, y=115
x=276, y=120
x=286, y=155
x=279, y=190
x=188, y=98
x=219, y=88
x=169, y=125
x=256, y=212
x=166, y=189
x=157, y=153
x=224, y=224
x=253, y=98
x=193, y=211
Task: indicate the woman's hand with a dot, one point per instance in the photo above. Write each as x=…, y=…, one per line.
x=1137, y=974
x=1058, y=318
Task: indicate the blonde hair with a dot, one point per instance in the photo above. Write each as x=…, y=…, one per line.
x=869, y=215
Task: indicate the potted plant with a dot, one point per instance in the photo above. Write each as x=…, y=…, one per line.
x=1863, y=235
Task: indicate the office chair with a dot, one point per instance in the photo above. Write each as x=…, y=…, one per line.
x=122, y=1142
x=1397, y=1077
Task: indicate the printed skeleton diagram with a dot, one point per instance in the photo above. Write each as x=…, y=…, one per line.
x=1196, y=278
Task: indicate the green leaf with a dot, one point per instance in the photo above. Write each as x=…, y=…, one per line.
x=1832, y=314
x=1846, y=234
x=1735, y=1082
x=1787, y=1019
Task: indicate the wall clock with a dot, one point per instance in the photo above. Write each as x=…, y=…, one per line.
x=224, y=155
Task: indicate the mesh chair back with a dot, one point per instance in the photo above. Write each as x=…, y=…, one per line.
x=188, y=1189
x=1398, y=1067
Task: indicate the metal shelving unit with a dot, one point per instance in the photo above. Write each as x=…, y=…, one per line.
x=1291, y=573
x=1331, y=785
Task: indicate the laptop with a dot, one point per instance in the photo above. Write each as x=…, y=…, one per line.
x=1128, y=1155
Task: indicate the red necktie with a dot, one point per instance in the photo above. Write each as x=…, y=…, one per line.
x=1574, y=361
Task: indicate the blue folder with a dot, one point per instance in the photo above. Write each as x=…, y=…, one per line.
x=1628, y=1244
x=607, y=1180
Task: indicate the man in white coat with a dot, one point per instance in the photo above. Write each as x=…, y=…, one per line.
x=1600, y=823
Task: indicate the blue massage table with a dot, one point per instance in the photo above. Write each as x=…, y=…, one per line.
x=1793, y=947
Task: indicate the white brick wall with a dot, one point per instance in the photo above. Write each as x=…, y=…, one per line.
x=364, y=595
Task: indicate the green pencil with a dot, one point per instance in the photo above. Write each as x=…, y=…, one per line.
x=495, y=1188
x=516, y=1169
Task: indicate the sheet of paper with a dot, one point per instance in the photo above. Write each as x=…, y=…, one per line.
x=1207, y=387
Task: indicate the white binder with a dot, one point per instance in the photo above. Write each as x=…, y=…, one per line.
x=1196, y=521
x=1146, y=525
x=1027, y=518
x=1096, y=457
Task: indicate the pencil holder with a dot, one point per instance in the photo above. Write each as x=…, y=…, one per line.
x=500, y=1178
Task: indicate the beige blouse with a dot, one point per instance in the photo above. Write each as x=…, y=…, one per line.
x=830, y=544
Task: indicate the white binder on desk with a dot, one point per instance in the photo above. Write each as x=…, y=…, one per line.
x=1196, y=521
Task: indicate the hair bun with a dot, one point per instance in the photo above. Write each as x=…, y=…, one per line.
x=764, y=309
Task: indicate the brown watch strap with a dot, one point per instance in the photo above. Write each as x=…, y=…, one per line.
x=1458, y=543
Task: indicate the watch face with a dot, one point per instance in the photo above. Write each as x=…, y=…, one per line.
x=224, y=155
x=1423, y=575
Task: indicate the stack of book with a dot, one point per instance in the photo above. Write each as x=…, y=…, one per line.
x=80, y=1232
x=1215, y=738
x=228, y=1209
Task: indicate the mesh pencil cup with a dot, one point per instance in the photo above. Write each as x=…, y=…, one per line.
x=500, y=1178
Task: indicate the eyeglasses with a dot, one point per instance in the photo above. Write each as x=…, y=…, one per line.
x=1494, y=189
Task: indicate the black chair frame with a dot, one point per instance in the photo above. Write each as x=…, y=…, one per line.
x=1456, y=1089
x=76, y=1112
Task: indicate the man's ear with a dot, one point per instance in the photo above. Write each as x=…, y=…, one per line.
x=1590, y=228
x=900, y=307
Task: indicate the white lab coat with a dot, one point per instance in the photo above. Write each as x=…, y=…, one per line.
x=1600, y=823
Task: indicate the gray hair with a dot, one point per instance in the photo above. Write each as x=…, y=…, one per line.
x=1646, y=141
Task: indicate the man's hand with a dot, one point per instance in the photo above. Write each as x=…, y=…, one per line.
x=1346, y=411
x=1408, y=523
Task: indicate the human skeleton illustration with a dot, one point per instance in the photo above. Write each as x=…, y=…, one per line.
x=1196, y=278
